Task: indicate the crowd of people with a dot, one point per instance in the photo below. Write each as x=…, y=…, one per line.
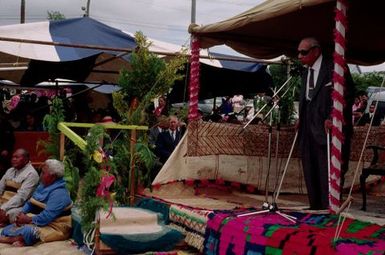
x=34, y=209
x=236, y=110
x=361, y=117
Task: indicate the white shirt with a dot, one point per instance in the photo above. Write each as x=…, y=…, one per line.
x=172, y=133
x=316, y=67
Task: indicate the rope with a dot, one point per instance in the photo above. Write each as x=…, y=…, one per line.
x=338, y=105
x=194, y=80
x=88, y=240
x=358, y=167
x=89, y=237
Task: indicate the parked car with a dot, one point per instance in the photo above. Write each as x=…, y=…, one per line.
x=205, y=105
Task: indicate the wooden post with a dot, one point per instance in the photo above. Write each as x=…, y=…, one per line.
x=132, y=169
x=61, y=149
x=97, y=235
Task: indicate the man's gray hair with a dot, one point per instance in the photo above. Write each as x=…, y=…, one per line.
x=55, y=167
x=312, y=41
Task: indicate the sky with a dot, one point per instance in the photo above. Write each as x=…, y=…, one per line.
x=165, y=20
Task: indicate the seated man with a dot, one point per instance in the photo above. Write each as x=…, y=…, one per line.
x=46, y=216
x=16, y=186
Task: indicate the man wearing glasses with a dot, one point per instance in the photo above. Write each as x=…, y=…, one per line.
x=315, y=108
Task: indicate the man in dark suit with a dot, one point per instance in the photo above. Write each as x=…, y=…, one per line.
x=315, y=120
x=154, y=131
x=168, y=140
x=366, y=118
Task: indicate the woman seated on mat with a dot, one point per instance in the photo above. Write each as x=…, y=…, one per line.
x=46, y=216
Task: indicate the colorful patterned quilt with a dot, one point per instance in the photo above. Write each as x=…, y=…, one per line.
x=269, y=233
x=192, y=223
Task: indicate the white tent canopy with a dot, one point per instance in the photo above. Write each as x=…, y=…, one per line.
x=275, y=27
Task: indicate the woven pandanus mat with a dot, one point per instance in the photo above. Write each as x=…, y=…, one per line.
x=376, y=137
x=207, y=138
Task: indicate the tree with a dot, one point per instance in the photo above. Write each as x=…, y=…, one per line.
x=365, y=80
x=148, y=78
x=279, y=75
x=55, y=15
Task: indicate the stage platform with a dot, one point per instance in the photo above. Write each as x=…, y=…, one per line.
x=218, y=172
x=191, y=208
x=221, y=169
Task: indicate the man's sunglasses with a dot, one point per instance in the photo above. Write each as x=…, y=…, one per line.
x=305, y=52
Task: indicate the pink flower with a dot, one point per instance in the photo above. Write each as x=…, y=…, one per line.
x=14, y=102
x=104, y=186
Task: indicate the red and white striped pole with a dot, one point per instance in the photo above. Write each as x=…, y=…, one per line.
x=194, y=79
x=338, y=106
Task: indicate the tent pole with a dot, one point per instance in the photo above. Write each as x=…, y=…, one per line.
x=105, y=48
x=193, y=10
x=22, y=11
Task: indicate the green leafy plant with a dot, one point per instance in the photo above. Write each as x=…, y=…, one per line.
x=50, y=123
x=135, y=82
x=72, y=178
x=148, y=78
x=89, y=202
x=279, y=74
x=144, y=160
x=120, y=168
x=55, y=15
x=365, y=80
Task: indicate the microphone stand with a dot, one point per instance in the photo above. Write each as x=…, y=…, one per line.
x=276, y=101
x=272, y=207
x=274, y=204
x=276, y=153
x=266, y=203
x=263, y=107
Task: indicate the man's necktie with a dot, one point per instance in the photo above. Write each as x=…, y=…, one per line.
x=311, y=82
x=173, y=135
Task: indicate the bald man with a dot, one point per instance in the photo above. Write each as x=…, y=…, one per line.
x=16, y=186
x=315, y=120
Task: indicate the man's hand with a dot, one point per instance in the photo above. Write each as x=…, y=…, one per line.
x=22, y=219
x=296, y=125
x=328, y=125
